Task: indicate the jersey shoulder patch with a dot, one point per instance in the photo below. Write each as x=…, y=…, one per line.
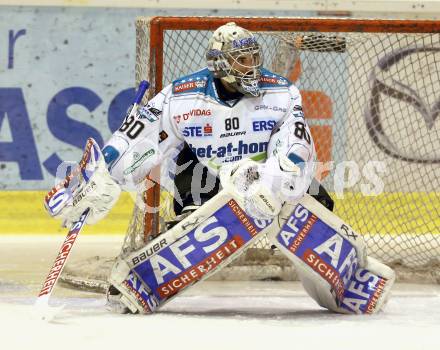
x=193, y=83
x=271, y=80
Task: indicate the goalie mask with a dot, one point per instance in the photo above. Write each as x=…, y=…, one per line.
x=235, y=56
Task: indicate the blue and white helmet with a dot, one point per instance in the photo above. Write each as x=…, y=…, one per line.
x=228, y=48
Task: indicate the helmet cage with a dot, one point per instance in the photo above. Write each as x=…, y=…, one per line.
x=228, y=65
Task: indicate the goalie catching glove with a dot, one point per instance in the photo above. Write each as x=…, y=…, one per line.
x=88, y=186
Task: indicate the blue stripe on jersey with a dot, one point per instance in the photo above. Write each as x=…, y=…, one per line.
x=202, y=81
x=296, y=159
x=272, y=80
x=197, y=82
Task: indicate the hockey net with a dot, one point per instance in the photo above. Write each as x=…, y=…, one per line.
x=370, y=92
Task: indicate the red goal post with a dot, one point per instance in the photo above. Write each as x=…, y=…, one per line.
x=403, y=221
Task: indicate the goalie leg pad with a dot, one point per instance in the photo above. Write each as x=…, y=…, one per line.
x=369, y=288
x=334, y=269
x=133, y=293
x=194, y=249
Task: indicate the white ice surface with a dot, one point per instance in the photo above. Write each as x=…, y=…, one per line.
x=212, y=315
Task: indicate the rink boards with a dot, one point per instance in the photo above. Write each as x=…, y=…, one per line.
x=22, y=212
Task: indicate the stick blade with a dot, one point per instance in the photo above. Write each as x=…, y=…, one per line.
x=44, y=312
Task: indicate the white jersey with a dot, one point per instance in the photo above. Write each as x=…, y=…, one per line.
x=189, y=110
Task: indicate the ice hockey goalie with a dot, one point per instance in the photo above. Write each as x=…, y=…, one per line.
x=240, y=128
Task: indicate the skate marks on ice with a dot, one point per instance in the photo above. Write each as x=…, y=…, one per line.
x=249, y=315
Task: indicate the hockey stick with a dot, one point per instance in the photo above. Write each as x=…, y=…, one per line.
x=42, y=303
x=321, y=43
x=143, y=87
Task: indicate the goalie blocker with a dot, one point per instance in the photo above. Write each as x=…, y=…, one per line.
x=329, y=256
